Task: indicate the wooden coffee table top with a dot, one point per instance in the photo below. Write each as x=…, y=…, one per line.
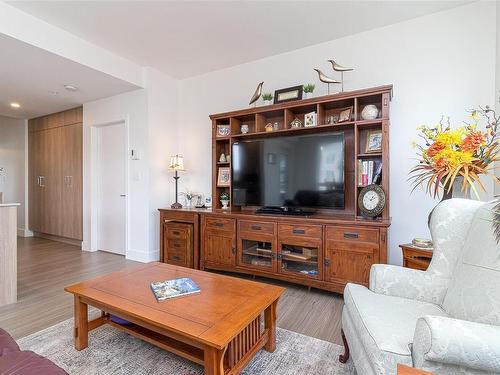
x=214, y=316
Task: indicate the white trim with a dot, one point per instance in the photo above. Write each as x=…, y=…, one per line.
x=143, y=256
x=94, y=184
x=22, y=232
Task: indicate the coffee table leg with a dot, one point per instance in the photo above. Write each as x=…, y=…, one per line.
x=270, y=325
x=214, y=360
x=81, y=324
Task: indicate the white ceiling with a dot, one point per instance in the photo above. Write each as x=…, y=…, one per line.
x=185, y=39
x=29, y=75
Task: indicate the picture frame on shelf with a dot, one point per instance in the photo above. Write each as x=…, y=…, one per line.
x=310, y=119
x=288, y=94
x=224, y=177
x=345, y=114
x=373, y=141
x=223, y=130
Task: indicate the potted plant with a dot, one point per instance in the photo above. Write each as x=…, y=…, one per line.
x=224, y=199
x=190, y=196
x=453, y=159
x=308, y=90
x=267, y=97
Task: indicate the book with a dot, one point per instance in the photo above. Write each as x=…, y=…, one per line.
x=370, y=172
x=365, y=174
x=360, y=172
x=174, y=288
x=377, y=175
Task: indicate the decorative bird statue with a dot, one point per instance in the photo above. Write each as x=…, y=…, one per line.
x=325, y=79
x=256, y=94
x=341, y=69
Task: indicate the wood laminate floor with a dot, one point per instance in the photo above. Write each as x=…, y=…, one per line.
x=45, y=267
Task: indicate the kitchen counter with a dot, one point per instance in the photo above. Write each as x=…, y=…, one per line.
x=8, y=253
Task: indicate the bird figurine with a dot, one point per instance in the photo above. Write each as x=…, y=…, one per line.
x=256, y=94
x=341, y=69
x=325, y=79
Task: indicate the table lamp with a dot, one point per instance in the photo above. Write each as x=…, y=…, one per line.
x=176, y=165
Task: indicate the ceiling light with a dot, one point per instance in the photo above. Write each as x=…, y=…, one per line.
x=15, y=105
x=70, y=87
x=54, y=92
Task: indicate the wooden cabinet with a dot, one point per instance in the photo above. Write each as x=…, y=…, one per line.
x=218, y=241
x=416, y=257
x=55, y=175
x=350, y=253
x=257, y=247
x=177, y=246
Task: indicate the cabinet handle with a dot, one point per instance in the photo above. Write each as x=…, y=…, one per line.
x=176, y=257
x=177, y=245
x=279, y=256
x=42, y=181
x=298, y=231
x=256, y=227
x=351, y=235
x=175, y=232
x=327, y=262
x=219, y=224
x=233, y=250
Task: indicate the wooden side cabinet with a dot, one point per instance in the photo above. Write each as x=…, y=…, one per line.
x=416, y=257
x=219, y=242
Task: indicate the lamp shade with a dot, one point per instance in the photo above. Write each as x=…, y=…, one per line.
x=176, y=163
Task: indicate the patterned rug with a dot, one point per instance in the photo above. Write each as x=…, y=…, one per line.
x=112, y=351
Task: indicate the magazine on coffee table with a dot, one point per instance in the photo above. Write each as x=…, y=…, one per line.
x=174, y=288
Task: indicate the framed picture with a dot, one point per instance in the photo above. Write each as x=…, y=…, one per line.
x=288, y=94
x=345, y=114
x=223, y=130
x=224, y=176
x=374, y=141
x=310, y=119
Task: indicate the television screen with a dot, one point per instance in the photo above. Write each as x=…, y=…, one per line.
x=294, y=171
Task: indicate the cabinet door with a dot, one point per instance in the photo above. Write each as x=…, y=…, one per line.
x=51, y=155
x=219, y=248
x=35, y=193
x=348, y=264
x=71, y=181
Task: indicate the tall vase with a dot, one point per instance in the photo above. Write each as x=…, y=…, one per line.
x=454, y=192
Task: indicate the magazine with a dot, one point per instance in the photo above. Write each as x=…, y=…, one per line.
x=174, y=288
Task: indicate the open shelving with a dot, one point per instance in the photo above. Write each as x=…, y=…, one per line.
x=355, y=131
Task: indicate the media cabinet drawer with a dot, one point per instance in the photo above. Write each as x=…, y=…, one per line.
x=176, y=244
x=257, y=227
x=176, y=232
x=220, y=223
x=352, y=234
x=176, y=258
x=311, y=231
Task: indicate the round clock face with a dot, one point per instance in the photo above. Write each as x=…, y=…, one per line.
x=371, y=200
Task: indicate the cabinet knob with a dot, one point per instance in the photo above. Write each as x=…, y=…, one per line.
x=256, y=227
x=351, y=235
x=299, y=231
x=327, y=262
x=233, y=250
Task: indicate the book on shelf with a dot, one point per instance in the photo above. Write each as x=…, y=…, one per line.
x=369, y=172
x=174, y=288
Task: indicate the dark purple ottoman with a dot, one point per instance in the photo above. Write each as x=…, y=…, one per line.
x=16, y=362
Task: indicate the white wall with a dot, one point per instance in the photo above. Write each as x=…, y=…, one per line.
x=439, y=64
x=497, y=86
x=13, y=135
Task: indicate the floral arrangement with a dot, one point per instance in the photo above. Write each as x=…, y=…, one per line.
x=189, y=194
x=224, y=196
x=466, y=152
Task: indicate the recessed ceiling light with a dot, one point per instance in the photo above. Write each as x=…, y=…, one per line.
x=70, y=87
x=54, y=92
x=15, y=105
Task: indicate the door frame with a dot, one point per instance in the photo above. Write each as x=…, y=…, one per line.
x=94, y=182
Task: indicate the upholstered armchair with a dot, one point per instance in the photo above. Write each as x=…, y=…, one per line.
x=445, y=320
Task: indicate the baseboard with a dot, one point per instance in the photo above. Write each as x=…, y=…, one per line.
x=69, y=241
x=22, y=232
x=141, y=256
x=86, y=247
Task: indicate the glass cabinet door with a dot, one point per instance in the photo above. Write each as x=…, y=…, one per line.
x=299, y=259
x=256, y=253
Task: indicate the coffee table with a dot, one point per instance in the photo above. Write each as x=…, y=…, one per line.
x=219, y=328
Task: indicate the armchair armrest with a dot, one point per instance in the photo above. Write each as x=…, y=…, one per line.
x=407, y=283
x=446, y=341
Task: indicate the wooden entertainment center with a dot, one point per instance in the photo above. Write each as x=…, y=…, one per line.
x=325, y=250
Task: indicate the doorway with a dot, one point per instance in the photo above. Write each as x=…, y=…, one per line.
x=112, y=188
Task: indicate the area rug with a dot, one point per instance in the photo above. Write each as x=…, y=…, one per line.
x=112, y=351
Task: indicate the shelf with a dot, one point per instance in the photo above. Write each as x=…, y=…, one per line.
x=285, y=258
x=297, y=130
x=256, y=253
x=225, y=138
x=377, y=121
x=223, y=163
x=370, y=155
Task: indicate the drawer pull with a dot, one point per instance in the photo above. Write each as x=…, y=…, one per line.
x=219, y=224
x=176, y=257
x=299, y=231
x=256, y=227
x=351, y=235
x=176, y=232
x=177, y=245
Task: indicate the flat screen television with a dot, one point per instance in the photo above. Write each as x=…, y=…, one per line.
x=304, y=171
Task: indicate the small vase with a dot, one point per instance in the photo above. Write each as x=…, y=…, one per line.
x=225, y=204
x=268, y=102
x=308, y=95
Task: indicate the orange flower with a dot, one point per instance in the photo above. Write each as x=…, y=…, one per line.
x=473, y=141
x=434, y=149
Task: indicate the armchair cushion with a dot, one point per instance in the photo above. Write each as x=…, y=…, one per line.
x=385, y=324
x=462, y=344
x=407, y=283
